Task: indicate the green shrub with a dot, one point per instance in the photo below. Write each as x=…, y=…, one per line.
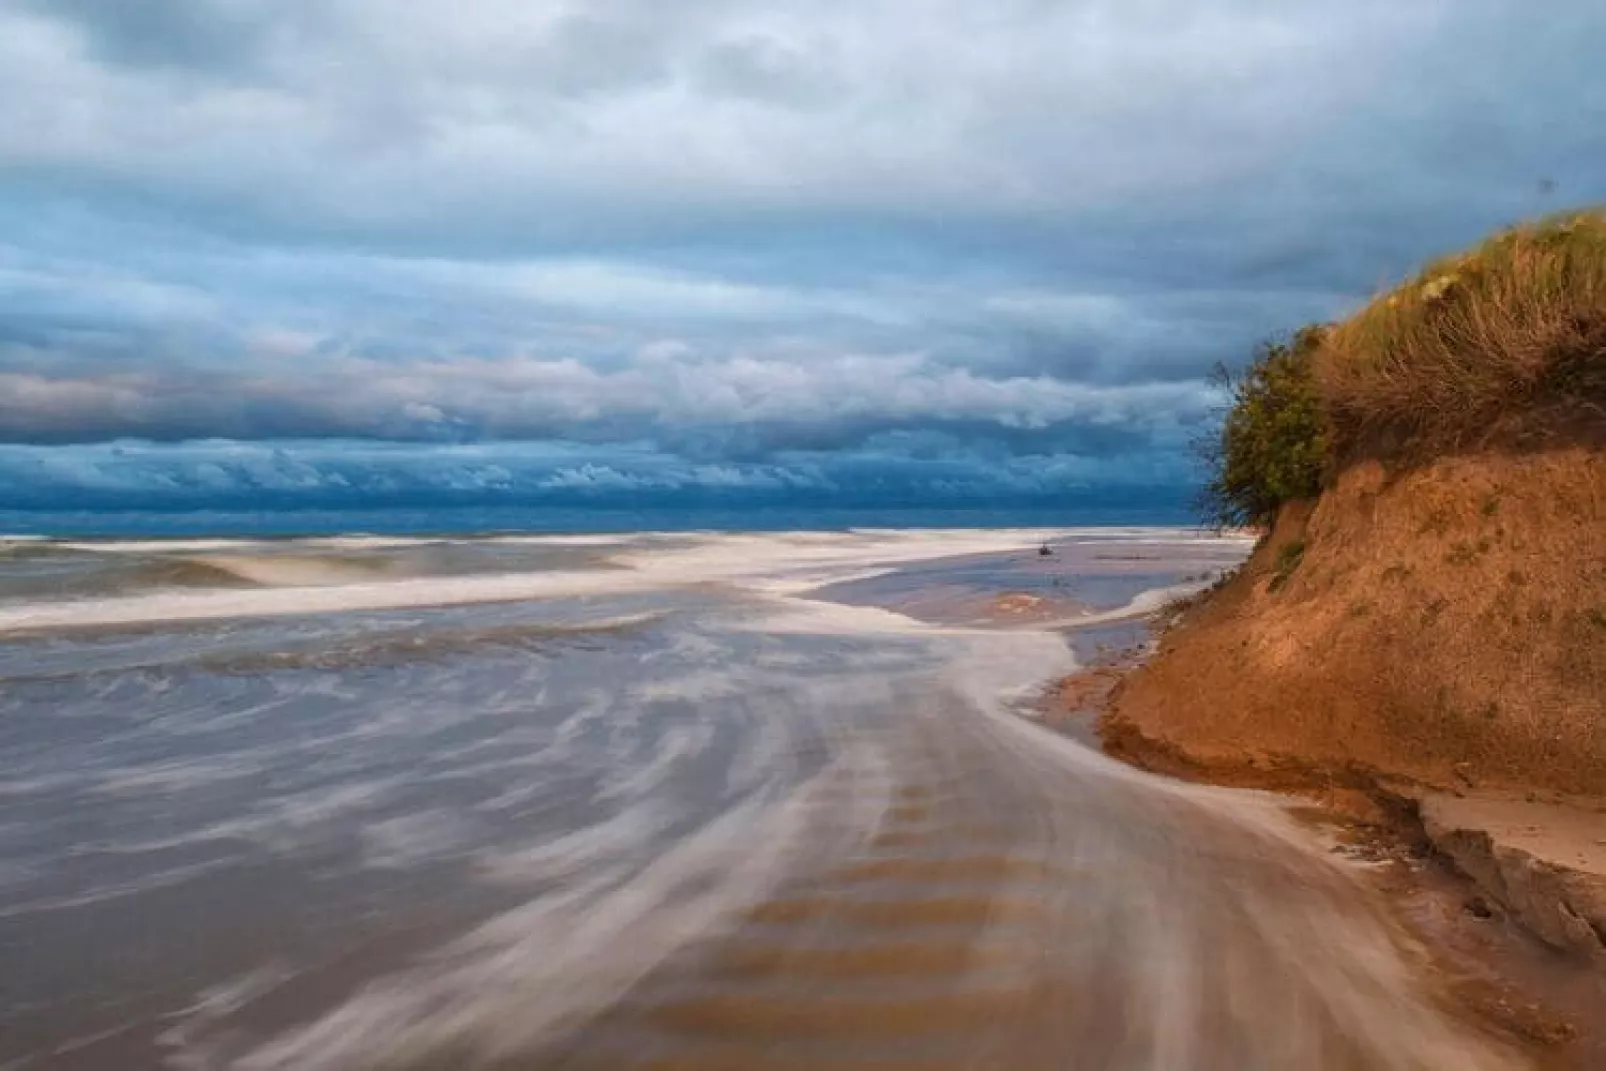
x=1271, y=448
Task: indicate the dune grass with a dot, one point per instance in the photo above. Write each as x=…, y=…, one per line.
x=1513, y=329
x=1504, y=344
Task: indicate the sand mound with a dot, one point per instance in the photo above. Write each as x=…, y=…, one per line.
x=1446, y=624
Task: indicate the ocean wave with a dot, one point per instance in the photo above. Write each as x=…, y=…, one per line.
x=23, y=547
x=299, y=570
x=58, y=573
x=166, y=573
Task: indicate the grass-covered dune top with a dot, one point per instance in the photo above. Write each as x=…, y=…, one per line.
x=1501, y=346
x=1509, y=337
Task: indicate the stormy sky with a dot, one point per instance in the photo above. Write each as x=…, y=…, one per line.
x=357, y=251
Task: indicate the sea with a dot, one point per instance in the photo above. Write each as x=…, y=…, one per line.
x=333, y=795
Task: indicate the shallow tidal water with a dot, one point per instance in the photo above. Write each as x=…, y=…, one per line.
x=689, y=801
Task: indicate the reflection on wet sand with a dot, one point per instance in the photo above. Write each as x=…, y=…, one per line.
x=1044, y=909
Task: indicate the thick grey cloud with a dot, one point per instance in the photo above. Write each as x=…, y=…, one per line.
x=205, y=35
x=735, y=231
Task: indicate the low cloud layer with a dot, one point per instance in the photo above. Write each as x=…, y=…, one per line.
x=728, y=235
x=892, y=473
x=750, y=404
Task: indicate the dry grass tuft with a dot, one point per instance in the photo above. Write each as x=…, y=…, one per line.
x=1513, y=332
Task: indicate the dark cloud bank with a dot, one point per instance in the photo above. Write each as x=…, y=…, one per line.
x=339, y=252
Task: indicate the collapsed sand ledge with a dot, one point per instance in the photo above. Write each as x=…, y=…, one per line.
x=1433, y=641
x=1542, y=861
x=1545, y=862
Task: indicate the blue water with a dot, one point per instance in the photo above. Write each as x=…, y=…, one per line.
x=581, y=519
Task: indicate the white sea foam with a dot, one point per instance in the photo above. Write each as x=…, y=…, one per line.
x=101, y=894
x=559, y=540
x=360, y=541
x=162, y=546
x=370, y=595
x=214, y=1004
x=674, y=746
x=600, y=846
x=404, y=841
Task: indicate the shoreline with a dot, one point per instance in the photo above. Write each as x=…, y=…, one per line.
x=1507, y=969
